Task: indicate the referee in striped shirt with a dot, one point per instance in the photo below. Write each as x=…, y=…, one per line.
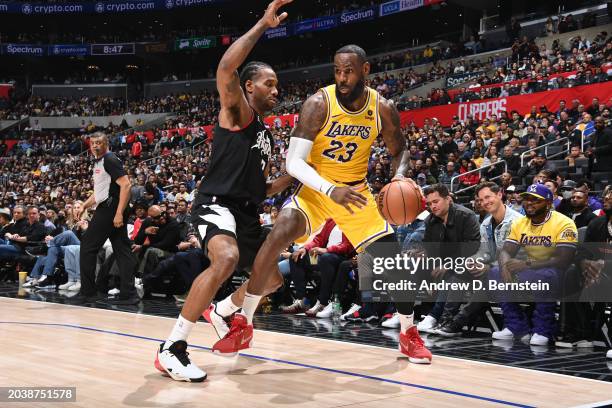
x=111, y=196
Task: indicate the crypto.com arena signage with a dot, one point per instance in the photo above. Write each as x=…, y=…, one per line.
x=100, y=7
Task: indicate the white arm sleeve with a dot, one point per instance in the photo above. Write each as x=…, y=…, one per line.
x=296, y=166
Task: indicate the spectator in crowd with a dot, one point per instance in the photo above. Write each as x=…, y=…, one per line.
x=600, y=151
x=494, y=230
x=448, y=223
x=580, y=212
x=32, y=232
x=544, y=263
x=157, y=239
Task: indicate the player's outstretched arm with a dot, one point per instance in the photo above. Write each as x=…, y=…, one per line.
x=312, y=118
x=392, y=135
x=235, y=111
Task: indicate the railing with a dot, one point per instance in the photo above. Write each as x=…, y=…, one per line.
x=545, y=147
x=478, y=170
x=584, y=143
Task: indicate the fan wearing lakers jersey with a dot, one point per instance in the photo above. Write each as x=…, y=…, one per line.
x=328, y=153
x=549, y=238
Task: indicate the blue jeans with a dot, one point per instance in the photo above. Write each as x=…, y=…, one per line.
x=543, y=319
x=72, y=262
x=283, y=267
x=45, y=265
x=9, y=252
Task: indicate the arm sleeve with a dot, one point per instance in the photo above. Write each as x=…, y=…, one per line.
x=113, y=166
x=297, y=167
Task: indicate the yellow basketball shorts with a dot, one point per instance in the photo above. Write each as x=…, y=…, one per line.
x=364, y=226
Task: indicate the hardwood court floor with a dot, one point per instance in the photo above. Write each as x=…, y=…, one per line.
x=109, y=355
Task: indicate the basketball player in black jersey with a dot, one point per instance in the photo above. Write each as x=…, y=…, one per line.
x=224, y=211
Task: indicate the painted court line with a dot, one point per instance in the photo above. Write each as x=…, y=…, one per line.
x=437, y=356
x=288, y=362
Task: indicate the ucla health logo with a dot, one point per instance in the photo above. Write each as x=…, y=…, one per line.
x=169, y=4
x=99, y=8
x=26, y=8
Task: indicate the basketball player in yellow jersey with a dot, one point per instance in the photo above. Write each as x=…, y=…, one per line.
x=328, y=153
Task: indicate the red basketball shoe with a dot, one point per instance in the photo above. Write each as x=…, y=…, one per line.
x=412, y=345
x=239, y=337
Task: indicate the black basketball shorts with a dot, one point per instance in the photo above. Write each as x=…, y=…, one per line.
x=214, y=217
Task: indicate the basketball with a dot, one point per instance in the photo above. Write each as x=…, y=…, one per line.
x=399, y=202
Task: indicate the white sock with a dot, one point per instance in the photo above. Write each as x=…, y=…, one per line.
x=226, y=307
x=250, y=305
x=406, y=322
x=181, y=331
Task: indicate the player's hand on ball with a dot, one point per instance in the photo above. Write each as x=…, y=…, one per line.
x=348, y=195
x=270, y=18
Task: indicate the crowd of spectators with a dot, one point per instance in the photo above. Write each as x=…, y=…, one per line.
x=534, y=69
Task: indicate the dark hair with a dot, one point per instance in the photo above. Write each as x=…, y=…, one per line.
x=250, y=70
x=354, y=49
x=437, y=188
x=490, y=185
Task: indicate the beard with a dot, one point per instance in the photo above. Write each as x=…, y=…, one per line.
x=537, y=213
x=353, y=96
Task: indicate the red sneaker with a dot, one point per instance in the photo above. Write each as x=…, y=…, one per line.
x=239, y=337
x=412, y=345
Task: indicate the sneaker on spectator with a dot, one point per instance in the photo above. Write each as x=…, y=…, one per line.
x=296, y=307
x=449, y=329
x=362, y=317
x=76, y=286
x=427, y=324
x=354, y=308
x=114, y=292
x=326, y=312
x=139, y=287
x=506, y=334
x=31, y=283
x=609, y=354
x=538, y=340
x=571, y=340
x=45, y=282
x=66, y=285
x=318, y=307
x=393, y=322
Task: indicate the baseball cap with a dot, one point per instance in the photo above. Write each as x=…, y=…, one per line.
x=568, y=185
x=5, y=211
x=540, y=154
x=540, y=191
x=511, y=189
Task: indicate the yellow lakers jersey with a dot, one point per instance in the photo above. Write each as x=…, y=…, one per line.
x=540, y=240
x=341, y=149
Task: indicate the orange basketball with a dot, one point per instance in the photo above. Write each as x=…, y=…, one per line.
x=399, y=202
